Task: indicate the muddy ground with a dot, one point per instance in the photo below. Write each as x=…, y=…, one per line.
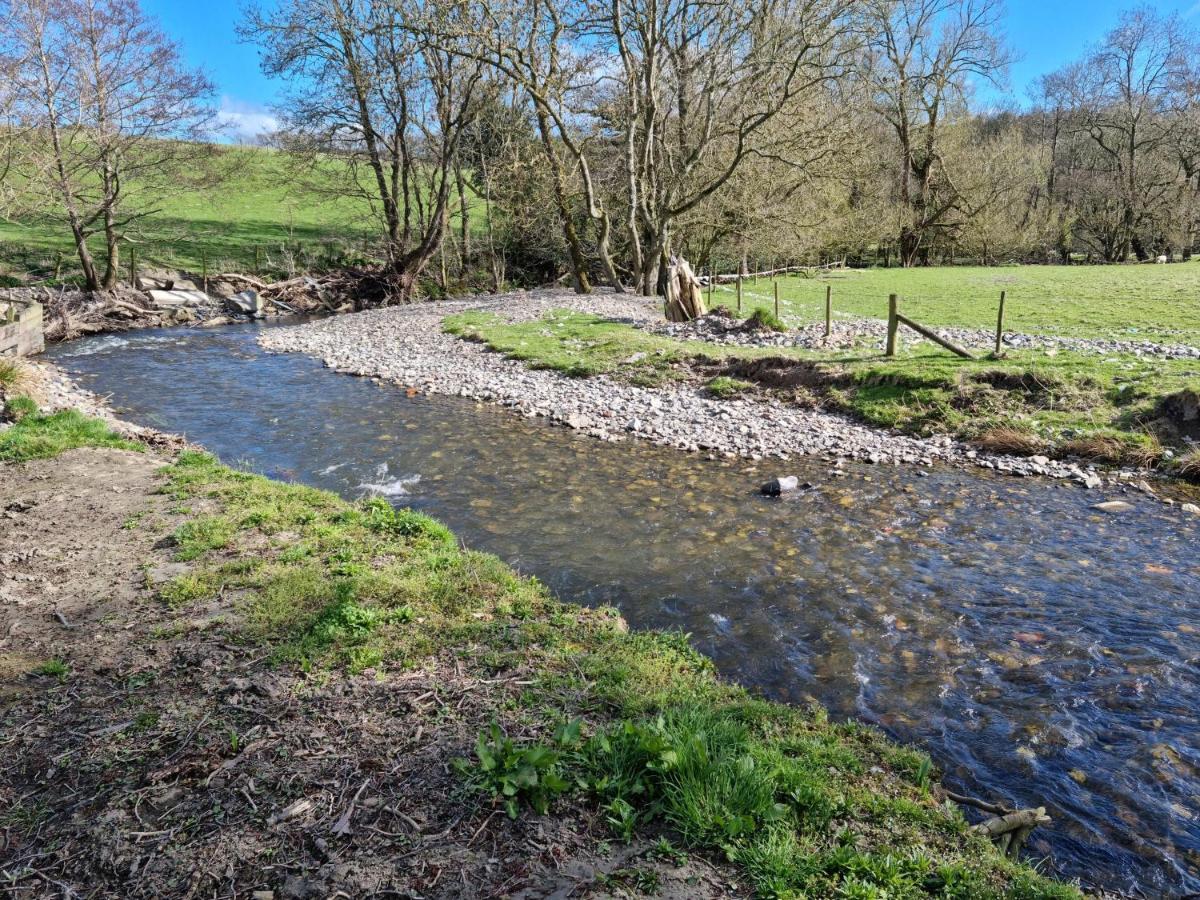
x=150, y=752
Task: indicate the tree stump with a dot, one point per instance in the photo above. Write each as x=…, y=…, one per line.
x=685, y=300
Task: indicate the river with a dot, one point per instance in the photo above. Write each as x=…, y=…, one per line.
x=1043, y=652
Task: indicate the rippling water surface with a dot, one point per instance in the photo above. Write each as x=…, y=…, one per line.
x=1043, y=652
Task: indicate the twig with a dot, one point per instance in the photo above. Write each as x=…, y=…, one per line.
x=342, y=825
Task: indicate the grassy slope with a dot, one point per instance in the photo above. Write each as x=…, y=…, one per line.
x=258, y=204
x=636, y=723
x=1056, y=400
x=1129, y=302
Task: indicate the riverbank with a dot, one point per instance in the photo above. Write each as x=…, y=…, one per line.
x=596, y=365
x=219, y=683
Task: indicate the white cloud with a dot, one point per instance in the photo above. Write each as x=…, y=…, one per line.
x=244, y=123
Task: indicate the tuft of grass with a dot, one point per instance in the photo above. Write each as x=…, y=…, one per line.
x=12, y=374
x=1009, y=440
x=1188, y=465
x=19, y=407
x=1141, y=451
x=723, y=387
x=183, y=590
x=38, y=436
x=54, y=668
x=766, y=319
x=198, y=536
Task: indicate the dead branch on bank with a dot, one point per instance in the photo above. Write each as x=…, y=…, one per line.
x=1007, y=828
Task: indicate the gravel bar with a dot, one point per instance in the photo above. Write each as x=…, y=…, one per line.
x=406, y=345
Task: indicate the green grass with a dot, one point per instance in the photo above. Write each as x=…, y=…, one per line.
x=242, y=224
x=577, y=344
x=635, y=724
x=1106, y=407
x=1130, y=302
x=723, y=387
x=12, y=373
x=53, y=668
x=36, y=436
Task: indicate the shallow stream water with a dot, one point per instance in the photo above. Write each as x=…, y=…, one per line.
x=1043, y=652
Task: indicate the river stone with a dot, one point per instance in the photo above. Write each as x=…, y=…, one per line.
x=248, y=302
x=1113, y=506
x=1191, y=508
x=777, y=486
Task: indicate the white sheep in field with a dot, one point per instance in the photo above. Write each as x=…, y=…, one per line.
x=1162, y=260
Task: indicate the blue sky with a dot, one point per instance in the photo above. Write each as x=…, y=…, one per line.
x=1044, y=34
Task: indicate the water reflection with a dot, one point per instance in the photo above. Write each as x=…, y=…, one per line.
x=1042, y=651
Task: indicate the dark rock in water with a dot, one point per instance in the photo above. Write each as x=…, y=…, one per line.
x=777, y=486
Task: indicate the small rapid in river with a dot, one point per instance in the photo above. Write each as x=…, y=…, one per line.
x=1043, y=652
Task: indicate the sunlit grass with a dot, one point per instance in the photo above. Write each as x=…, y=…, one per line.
x=1130, y=302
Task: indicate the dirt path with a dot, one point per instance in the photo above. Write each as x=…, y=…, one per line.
x=149, y=752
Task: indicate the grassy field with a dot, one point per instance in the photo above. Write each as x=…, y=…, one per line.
x=240, y=225
x=1111, y=408
x=634, y=726
x=1131, y=302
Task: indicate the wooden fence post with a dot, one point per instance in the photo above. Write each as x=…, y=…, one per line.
x=739, y=292
x=712, y=280
x=133, y=279
x=828, y=310
x=204, y=270
x=776, y=282
x=893, y=324
x=1000, y=326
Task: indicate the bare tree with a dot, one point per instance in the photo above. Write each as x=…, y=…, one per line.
x=1129, y=98
x=921, y=57
x=537, y=46
x=371, y=91
x=699, y=85
x=115, y=121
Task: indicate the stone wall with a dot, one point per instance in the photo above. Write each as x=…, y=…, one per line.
x=20, y=328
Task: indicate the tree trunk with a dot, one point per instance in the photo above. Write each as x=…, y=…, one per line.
x=464, y=222
x=113, y=250
x=910, y=245
x=570, y=234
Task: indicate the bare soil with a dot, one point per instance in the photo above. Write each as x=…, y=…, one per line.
x=168, y=757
